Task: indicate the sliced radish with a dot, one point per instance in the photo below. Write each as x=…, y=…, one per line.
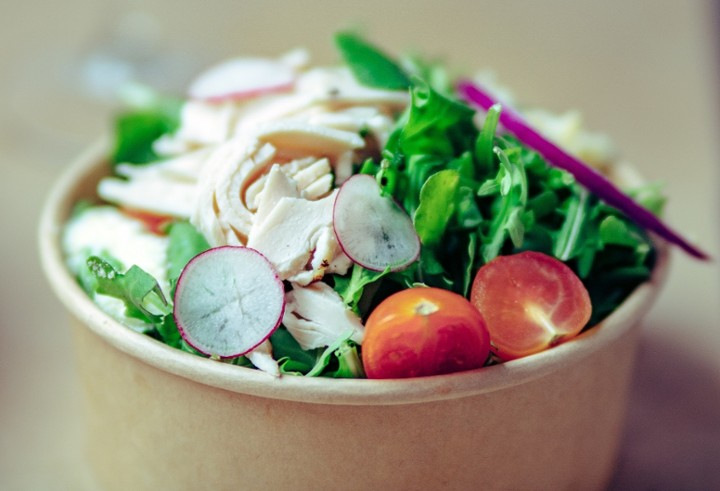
x=372, y=229
x=228, y=301
x=242, y=78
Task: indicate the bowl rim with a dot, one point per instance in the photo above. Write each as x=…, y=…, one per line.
x=254, y=382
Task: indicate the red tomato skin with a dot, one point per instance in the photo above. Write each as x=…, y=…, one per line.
x=154, y=223
x=513, y=292
x=422, y=332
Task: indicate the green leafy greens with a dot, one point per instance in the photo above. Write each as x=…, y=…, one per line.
x=473, y=192
x=476, y=194
x=139, y=126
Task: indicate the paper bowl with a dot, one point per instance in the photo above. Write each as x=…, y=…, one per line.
x=160, y=418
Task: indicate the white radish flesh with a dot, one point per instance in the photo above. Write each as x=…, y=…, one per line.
x=228, y=301
x=242, y=78
x=372, y=229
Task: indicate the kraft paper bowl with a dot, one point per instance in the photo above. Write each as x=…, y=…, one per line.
x=160, y=419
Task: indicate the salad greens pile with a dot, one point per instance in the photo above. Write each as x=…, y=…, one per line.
x=474, y=192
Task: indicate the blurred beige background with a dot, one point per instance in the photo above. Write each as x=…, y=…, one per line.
x=644, y=72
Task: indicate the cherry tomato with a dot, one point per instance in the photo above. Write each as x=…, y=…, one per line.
x=154, y=223
x=530, y=301
x=424, y=331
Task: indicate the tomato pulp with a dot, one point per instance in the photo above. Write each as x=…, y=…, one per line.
x=530, y=302
x=154, y=223
x=424, y=331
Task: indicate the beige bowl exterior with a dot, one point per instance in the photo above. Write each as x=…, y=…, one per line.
x=161, y=419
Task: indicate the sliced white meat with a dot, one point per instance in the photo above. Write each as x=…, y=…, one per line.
x=299, y=139
x=370, y=119
x=202, y=123
x=263, y=359
x=267, y=109
x=182, y=167
x=312, y=177
x=160, y=197
x=276, y=185
x=220, y=213
x=344, y=167
x=162, y=188
x=289, y=236
x=310, y=174
x=316, y=316
x=328, y=257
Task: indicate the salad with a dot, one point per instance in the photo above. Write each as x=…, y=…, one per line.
x=372, y=219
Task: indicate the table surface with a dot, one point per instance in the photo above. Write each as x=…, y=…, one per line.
x=645, y=75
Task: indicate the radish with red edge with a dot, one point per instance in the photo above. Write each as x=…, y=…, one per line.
x=228, y=301
x=242, y=78
x=372, y=229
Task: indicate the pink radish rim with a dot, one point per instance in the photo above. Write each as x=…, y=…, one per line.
x=276, y=277
x=402, y=266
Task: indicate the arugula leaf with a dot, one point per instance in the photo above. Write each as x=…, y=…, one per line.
x=437, y=206
x=351, y=288
x=169, y=333
x=569, y=239
x=339, y=360
x=485, y=143
x=292, y=359
x=87, y=278
x=507, y=219
x=432, y=71
x=142, y=296
x=138, y=290
x=467, y=213
x=343, y=347
x=469, y=266
x=370, y=66
x=185, y=242
x=436, y=125
x=616, y=231
x=137, y=129
x=349, y=361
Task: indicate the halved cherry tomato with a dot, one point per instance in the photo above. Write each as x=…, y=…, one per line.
x=530, y=301
x=424, y=331
x=154, y=223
